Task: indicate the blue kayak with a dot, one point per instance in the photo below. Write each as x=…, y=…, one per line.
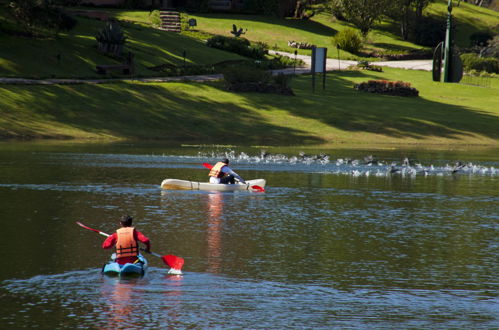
x=138, y=268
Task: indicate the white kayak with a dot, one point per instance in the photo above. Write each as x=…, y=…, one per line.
x=174, y=184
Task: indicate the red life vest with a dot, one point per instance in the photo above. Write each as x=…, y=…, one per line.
x=216, y=170
x=126, y=245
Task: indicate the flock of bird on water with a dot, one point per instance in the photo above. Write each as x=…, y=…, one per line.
x=370, y=164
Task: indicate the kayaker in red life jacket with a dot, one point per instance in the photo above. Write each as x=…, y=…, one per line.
x=222, y=173
x=126, y=240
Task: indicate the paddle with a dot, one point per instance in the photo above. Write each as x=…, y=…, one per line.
x=255, y=187
x=174, y=262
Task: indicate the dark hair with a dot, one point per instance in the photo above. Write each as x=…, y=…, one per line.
x=225, y=161
x=126, y=221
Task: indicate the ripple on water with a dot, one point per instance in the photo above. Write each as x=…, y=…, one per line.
x=85, y=299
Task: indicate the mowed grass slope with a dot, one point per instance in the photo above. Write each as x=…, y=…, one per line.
x=75, y=55
x=321, y=28
x=206, y=113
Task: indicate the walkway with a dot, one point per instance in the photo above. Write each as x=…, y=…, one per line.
x=331, y=64
x=335, y=64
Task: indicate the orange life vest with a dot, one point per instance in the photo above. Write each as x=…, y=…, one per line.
x=126, y=245
x=216, y=170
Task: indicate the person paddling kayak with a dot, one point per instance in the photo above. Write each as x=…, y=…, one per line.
x=126, y=241
x=222, y=173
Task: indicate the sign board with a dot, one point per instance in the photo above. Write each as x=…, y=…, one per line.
x=319, y=58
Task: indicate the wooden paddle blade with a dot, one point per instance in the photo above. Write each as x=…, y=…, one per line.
x=258, y=188
x=208, y=166
x=173, y=261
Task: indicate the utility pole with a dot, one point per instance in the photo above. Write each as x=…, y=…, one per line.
x=448, y=44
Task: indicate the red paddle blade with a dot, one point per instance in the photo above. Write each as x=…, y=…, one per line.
x=258, y=188
x=173, y=262
x=208, y=166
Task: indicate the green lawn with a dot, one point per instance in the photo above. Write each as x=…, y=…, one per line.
x=38, y=58
x=206, y=113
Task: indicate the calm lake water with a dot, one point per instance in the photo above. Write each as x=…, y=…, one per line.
x=334, y=242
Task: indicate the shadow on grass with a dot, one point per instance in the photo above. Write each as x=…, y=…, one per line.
x=179, y=112
x=295, y=24
x=206, y=113
x=342, y=107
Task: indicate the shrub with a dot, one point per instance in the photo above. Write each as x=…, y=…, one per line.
x=249, y=79
x=155, y=18
x=348, y=40
x=111, y=39
x=480, y=38
x=33, y=14
x=239, y=46
x=237, y=33
x=282, y=80
x=471, y=62
x=365, y=65
x=492, y=49
x=243, y=73
x=398, y=88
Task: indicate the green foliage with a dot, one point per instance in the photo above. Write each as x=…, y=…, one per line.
x=154, y=18
x=242, y=78
x=111, y=39
x=237, y=33
x=348, y=40
x=32, y=14
x=239, y=46
x=397, y=88
x=282, y=80
x=245, y=74
x=480, y=38
x=471, y=62
x=266, y=7
x=111, y=34
x=428, y=32
x=365, y=65
x=183, y=70
x=364, y=14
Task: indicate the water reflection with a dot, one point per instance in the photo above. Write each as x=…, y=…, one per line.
x=214, y=232
x=117, y=293
x=330, y=244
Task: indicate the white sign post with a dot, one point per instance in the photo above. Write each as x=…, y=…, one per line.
x=319, y=57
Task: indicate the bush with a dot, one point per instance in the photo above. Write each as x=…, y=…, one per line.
x=365, y=65
x=186, y=70
x=250, y=79
x=240, y=74
x=155, y=18
x=111, y=39
x=348, y=40
x=34, y=14
x=471, y=62
x=398, y=88
x=239, y=46
x=480, y=38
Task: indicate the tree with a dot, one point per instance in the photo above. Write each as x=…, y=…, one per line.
x=364, y=13
x=31, y=14
x=407, y=13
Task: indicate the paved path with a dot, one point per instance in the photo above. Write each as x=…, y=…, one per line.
x=335, y=64
x=331, y=64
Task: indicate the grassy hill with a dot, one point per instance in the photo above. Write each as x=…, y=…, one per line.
x=39, y=57
x=206, y=113
x=444, y=114
x=75, y=54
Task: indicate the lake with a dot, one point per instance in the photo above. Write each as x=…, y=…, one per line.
x=338, y=240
